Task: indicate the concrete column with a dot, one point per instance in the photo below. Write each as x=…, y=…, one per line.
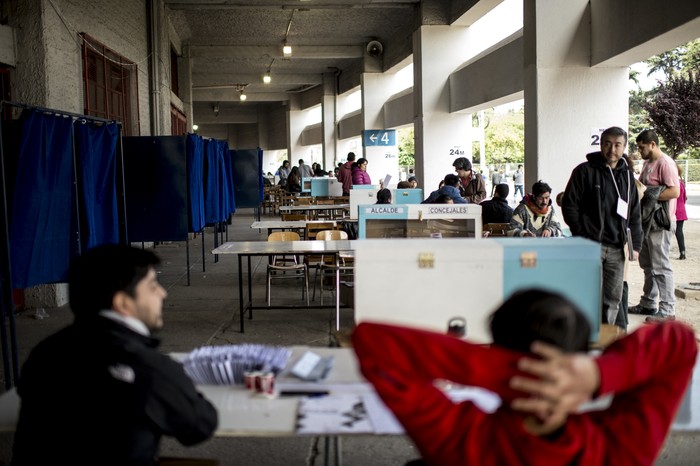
x=565, y=99
x=184, y=71
x=295, y=126
x=440, y=136
x=329, y=118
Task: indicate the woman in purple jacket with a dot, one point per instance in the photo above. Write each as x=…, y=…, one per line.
x=359, y=172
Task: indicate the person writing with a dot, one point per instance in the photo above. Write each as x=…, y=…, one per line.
x=538, y=367
x=98, y=391
x=535, y=215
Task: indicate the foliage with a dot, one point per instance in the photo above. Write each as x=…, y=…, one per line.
x=406, y=147
x=505, y=137
x=674, y=110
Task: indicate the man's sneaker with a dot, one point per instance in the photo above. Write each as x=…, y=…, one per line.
x=659, y=318
x=641, y=310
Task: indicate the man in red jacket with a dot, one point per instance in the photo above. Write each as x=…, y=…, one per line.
x=345, y=174
x=538, y=422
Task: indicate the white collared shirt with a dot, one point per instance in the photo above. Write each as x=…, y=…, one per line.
x=130, y=322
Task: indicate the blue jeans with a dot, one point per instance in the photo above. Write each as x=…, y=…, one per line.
x=613, y=261
x=658, y=274
x=518, y=187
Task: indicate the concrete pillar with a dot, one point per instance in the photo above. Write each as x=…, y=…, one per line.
x=329, y=118
x=565, y=99
x=295, y=126
x=440, y=136
x=184, y=71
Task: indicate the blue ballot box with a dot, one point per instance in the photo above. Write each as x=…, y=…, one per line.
x=326, y=186
x=425, y=283
x=419, y=221
x=406, y=196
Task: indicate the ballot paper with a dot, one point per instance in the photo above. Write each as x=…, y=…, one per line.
x=333, y=414
x=225, y=365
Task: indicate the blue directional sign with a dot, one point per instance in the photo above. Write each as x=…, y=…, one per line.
x=379, y=137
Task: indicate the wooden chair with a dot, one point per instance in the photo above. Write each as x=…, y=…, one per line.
x=280, y=265
x=313, y=228
x=326, y=266
x=325, y=214
x=496, y=229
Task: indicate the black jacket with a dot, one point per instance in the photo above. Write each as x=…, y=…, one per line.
x=97, y=392
x=496, y=210
x=590, y=202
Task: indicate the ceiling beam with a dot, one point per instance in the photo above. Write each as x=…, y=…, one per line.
x=204, y=80
x=230, y=95
x=320, y=52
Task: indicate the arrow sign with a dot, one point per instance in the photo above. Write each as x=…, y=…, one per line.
x=379, y=137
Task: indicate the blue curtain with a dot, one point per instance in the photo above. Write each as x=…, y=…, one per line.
x=43, y=204
x=212, y=210
x=98, y=190
x=229, y=180
x=195, y=185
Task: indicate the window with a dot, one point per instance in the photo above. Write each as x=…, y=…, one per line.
x=174, y=85
x=110, y=86
x=178, y=122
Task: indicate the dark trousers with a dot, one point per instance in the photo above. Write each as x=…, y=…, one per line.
x=679, y=235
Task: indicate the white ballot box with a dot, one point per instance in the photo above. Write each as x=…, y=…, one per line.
x=419, y=221
x=425, y=283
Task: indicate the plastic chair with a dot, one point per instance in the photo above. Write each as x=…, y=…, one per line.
x=281, y=264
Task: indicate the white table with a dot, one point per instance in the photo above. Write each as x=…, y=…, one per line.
x=249, y=249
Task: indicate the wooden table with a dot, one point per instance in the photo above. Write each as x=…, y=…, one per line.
x=271, y=225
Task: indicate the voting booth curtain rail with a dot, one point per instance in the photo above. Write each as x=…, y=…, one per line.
x=62, y=187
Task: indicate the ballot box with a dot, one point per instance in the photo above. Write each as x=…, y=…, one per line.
x=326, y=186
x=362, y=194
x=406, y=196
x=419, y=221
x=424, y=283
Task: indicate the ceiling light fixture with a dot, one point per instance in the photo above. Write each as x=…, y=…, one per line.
x=195, y=128
x=243, y=97
x=267, y=78
x=286, y=49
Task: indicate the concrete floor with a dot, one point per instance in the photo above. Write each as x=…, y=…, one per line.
x=205, y=313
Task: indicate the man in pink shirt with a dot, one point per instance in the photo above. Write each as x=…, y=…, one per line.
x=659, y=170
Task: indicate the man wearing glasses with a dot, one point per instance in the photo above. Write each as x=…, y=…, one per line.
x=601, y=203
x=535, y=215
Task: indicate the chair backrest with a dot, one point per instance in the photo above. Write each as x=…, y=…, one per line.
x=331, y=235
x=283, y=236
x=496, y=229
x=313, y=228
x=290, y=217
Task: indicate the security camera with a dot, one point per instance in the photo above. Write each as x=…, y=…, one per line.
x=375, y=48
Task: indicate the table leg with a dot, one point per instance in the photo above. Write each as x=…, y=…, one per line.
x=240, y=290
x=337, y=291
x=250, y=291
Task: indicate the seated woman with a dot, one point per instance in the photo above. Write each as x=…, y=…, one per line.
x=383, y=196
x=538, y=422
x=294, y=181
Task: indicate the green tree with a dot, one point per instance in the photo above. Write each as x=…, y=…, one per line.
x=406, y=147
x=504, y=137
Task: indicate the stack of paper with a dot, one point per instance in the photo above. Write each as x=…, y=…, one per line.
x=225, y=365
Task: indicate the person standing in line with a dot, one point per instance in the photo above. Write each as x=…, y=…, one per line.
x=681, y=215
x=601, y=203
x=661, y=172
x=305, y=171
x=518, y=183
x=294, y=181
x=345, y=174
x=359, y=172
x=471, y=185
x=98, y=391
x=495, y=180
